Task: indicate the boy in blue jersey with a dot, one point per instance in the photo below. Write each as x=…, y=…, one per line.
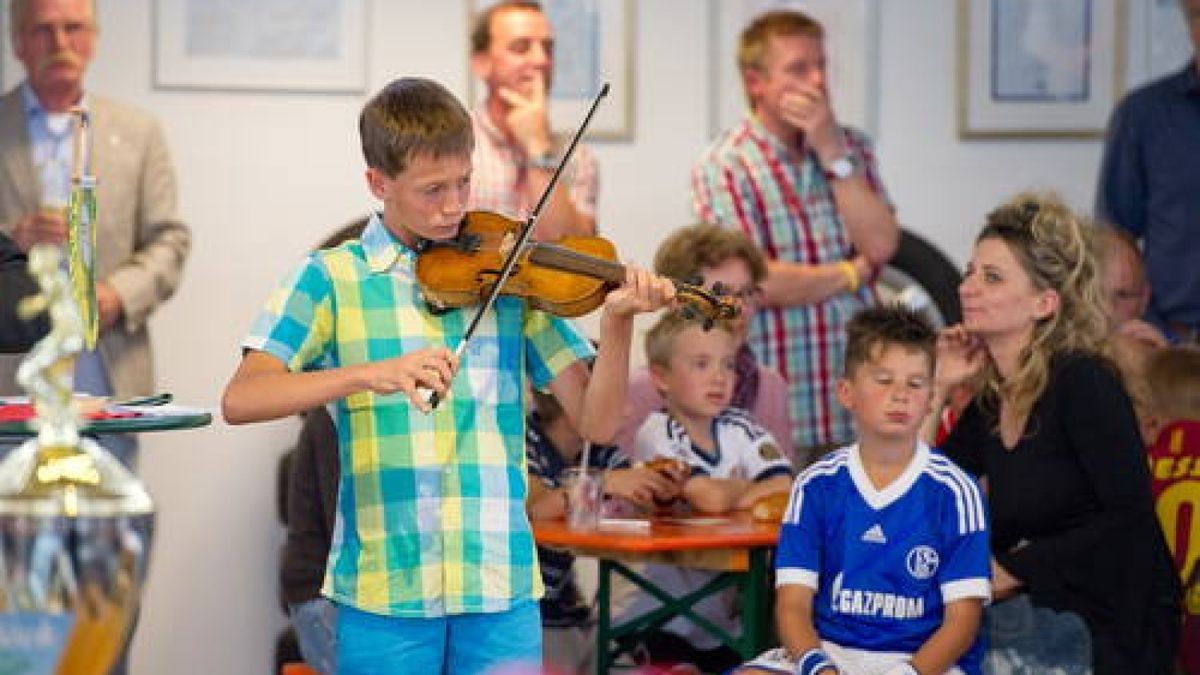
x=432, y=563
x=883, y=562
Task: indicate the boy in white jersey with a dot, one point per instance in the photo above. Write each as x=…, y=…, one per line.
x=883, y=562
x=732, y=462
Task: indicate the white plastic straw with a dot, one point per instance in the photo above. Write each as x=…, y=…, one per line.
x=585, y=458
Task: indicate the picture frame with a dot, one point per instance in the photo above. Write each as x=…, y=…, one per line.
x=1159, y=44
x=266, y=45
x=8, y=61
x=1030, y=69
x=601, y=35
x=851, y=48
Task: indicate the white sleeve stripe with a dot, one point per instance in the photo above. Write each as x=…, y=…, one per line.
x=960, y=506
x=966, y=496
x=966, y=588
x=796, y=576
x=945, y=467
x=972, y=489
x=825, y=467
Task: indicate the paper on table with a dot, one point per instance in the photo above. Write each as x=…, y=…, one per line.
x=164, y=410
x=84, y=403
x=634, y=524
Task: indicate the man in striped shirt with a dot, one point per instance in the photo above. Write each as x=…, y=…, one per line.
x=807, y=191
x=516, y=152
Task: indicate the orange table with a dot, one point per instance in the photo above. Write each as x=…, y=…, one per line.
x=737, y=547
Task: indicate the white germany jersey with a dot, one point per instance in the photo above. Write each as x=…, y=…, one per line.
x=744, y=449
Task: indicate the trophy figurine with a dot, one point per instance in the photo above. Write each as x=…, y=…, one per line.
x=75, y=524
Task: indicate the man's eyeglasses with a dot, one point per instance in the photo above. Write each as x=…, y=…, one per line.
x=742, y=294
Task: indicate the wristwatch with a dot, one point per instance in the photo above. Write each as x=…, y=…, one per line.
x=842, y=167
x=546, y=161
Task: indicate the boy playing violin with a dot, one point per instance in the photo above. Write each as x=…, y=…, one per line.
x=433, y=563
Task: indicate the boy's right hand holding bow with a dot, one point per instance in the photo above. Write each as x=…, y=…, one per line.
x=414, y=373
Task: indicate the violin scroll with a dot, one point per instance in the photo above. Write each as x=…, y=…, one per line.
x=710, y=306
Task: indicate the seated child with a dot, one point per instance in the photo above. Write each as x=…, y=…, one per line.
x=552, y=445
x=732, y=462
x=712, y=254
x=883, y=563
x=1172, y=420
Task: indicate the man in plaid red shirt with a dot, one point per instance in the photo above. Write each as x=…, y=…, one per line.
x=807, y=191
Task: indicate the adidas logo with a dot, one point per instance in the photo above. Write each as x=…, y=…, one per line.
x=874, y=535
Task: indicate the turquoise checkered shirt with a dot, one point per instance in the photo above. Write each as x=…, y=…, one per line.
x=431, y=507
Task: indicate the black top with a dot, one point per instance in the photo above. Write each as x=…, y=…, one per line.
x=563, y=605
x=16, y=334
x=1072, y=513
x=311, y=508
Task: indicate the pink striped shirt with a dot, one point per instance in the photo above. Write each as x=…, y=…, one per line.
x=498, y=183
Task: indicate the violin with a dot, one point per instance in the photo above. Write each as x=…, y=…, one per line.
x=491, y=255
x=568, y=278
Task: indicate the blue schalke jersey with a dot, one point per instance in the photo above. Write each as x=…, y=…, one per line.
x=884, y=563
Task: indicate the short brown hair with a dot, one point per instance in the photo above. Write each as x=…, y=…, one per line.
x=660, y=339
x=875, y=328
x=351, y=230
x=1173, y=377
x=547, y=407
x=18, y=16
x=412, y=116
x=481, y=29
x=689, y=249
x=752, y=46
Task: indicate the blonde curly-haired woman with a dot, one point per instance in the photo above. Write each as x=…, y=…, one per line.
x=1078, y=557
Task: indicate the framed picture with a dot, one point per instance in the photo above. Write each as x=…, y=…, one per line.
x=1030, y=68
x=1159, y=44
x=851, y=31
x=600, y=36
x=262, y=45
x=8, y=62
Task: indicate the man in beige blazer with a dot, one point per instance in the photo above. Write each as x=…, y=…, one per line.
x=141, y=242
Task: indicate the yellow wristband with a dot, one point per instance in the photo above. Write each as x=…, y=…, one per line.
x=851, y=272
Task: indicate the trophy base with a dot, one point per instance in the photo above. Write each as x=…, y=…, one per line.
x=75, y=535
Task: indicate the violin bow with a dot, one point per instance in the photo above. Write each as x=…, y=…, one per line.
x=510, y=261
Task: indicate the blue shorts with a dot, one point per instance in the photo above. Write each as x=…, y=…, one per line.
x=459, y=644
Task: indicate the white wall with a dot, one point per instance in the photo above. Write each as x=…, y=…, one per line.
x=265, y=176
x=942, y=186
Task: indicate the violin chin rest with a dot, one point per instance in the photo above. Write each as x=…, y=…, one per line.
x=436, y=308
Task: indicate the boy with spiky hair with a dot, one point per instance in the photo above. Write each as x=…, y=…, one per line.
x=883, y=563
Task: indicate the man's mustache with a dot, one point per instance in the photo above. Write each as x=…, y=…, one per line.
x=63, y=58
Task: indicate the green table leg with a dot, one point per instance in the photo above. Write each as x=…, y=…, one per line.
x=603, y=620
x=755, y=619
x=755, y=608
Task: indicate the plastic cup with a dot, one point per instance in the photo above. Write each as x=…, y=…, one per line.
x=585, y=497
